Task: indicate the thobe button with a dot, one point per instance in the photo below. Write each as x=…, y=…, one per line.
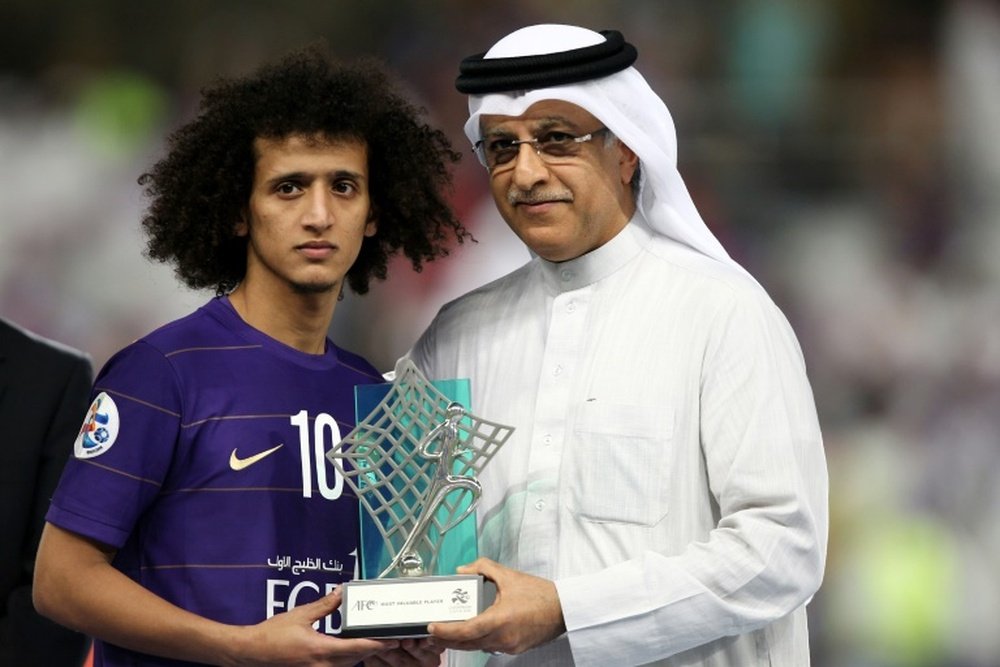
x=566, y=274
x=539, y=505
x=571, y=307
x=547, y=439
x=557, y=370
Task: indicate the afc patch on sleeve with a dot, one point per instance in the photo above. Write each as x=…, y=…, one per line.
x=99, y=430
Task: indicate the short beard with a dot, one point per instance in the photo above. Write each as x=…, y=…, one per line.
x=313, y=288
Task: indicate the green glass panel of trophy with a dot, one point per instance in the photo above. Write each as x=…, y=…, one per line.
x=408, y=479
x=413, y=461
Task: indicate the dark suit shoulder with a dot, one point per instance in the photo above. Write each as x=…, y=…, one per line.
x=16, y=341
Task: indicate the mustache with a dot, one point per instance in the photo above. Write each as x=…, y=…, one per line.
x=516, y=196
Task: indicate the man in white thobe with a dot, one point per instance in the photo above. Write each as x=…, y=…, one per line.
x=663, y=498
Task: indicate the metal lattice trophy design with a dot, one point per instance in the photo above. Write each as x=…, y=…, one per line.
x=413, y=462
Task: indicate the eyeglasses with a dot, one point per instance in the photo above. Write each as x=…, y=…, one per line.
x=553, y=147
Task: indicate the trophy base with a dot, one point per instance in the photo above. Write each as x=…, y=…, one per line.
x=402, y=608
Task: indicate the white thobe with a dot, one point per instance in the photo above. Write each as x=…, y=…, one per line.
x=667, y=469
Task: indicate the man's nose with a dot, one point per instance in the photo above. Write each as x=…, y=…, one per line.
x=529, y=167
x=319, y=209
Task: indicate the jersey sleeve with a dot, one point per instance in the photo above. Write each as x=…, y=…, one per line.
x=125, y=447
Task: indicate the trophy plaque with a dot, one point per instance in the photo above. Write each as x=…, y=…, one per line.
x=413, y=461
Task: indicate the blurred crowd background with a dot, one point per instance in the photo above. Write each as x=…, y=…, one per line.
x=847, y=152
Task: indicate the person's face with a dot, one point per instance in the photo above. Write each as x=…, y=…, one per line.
x=308, y=213
x=568, y=206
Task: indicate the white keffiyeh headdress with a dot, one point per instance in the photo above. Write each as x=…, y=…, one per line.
x=543, y=55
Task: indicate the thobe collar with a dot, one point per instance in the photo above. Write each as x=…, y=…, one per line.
x=598, y=263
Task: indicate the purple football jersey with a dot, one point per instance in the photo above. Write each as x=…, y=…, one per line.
x=203, y=461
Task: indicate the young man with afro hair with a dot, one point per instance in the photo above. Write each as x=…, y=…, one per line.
x=199, y=520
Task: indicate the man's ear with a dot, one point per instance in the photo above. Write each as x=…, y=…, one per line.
x=371, y=225
x=628, y=162
x=242, y=227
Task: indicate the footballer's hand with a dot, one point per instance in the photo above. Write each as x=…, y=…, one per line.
x=290, y=639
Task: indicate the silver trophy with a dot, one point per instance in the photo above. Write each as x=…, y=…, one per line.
x=413, y=462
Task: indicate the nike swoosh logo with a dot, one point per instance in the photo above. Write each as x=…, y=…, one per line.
x=236, y=463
